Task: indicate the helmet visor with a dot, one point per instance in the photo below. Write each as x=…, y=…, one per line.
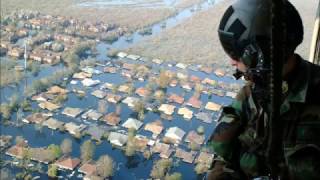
x=229, y=44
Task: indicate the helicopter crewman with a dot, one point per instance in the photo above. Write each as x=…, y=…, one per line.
x=240, y=138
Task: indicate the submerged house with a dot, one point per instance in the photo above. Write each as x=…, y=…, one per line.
x=37, y=118
x=16, y=151
x=143, y=92
x=117, y=139
x=88, y=168
x=111, y=119
x=81, y=75
x=92, y=114
x=162, y=148
x=132, y=123
x=99, y=94
x=49, y=106
x=219, y=72
x=185, y=156
x=130, y=101
x=67, y=163
x=73, y=128
x=57, y=90
x=122, y=54
x=213, y=106
x=194, y=102
x=53, y=123
x=194, y=137
x=205, y=117
x=72, y=112
x=167, y=109
x=89, y=82
x=155, y=127
x=113, y=98
x=185, y=112
x=176, y=98
x=205, y=158
x=175, y=134
x=96, y=132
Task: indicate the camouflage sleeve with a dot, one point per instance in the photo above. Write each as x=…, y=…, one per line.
x=224, y=138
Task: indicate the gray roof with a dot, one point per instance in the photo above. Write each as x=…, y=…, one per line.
x=205, y=117
x=53, y=123
x=175, y=133
x=132, y=123
x=117, y=138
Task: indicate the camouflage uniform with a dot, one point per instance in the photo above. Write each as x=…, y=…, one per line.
x=240, y=136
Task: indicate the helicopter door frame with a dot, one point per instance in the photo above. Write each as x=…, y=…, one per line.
x=315, y=42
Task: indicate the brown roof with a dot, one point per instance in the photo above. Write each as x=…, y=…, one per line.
x=173, y=83
x=110, y=70
x=195, y=79
x=185, y=156
x=57, y=90
x=213, y=106
x=155, y=127
x=141, y=143
x=176, y=98
x=208, y=81
x=15, y=151
x=88, y=168
x=112, y=119
x=49, y=105
x=206, y=69
x=143, y=92
x=36, y=118
x=219, y=72
x=205, y=158
x=128, y=66
x=67, y=163
x=113, y=98
x=194, y=137
x=194, y=102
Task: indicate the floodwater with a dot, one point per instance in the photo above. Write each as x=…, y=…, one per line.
x=128, y=3
x=136, y=167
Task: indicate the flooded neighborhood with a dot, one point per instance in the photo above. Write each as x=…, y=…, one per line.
x=82, y=99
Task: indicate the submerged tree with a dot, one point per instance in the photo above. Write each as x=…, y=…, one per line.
x=139, y=108
x=87, y=150
x=160, y=168
x=131, y=147
x=105, y=166
x=174, y=176
x=102, y=106
x=66, y=146
x=55, y=151
x=52, y=171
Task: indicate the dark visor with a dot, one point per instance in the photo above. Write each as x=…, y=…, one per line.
x=229, y=44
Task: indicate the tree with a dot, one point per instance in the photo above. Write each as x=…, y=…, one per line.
x=66, y=146
x=52, y=171
x=20, y=141
x=174, y=176
x=163, y=80
x=139, y=108
x=87, y=150
x=102, y=106
x=131, y=146
x=6, y=174
x=200, y=130
x=5, y=111
x=55, y=151
x=105, y=166
x=160, y=168
x=159, y=95
x=201, y=168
